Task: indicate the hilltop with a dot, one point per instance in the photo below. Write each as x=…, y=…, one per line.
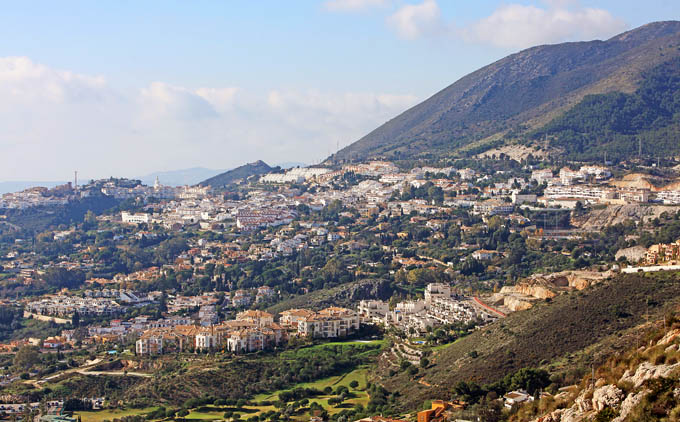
x=561, y=98
x=182, y=177
x=239, y=173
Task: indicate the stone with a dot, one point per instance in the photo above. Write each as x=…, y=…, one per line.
x=627, y=406
x=647, y=371
x=607, y=396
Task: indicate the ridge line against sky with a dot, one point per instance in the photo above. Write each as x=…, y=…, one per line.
x=127, y=88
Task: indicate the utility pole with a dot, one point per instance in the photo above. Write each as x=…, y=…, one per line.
x=592, y=376
x=640, y=148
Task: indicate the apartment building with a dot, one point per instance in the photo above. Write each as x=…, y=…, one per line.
x=138, y=218
x=373, y=310
x=330, y=323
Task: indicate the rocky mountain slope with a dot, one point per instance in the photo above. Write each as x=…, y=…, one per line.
x=563, y=334
x=522, y=92
x=640, y=384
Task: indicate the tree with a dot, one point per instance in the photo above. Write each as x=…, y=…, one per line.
x=162, y=304
x=490, y=411
x=89, y=221
x=75, y=320
x=26, y=357
x=530, y=379
x=354, y=384
x=61, y=277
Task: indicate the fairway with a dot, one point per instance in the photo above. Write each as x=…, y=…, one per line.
x=101, y=415
x=358, y=375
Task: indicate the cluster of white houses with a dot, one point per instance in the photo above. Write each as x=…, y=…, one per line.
x=251, y=331
x=414, y=317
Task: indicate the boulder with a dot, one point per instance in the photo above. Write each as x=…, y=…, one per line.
x=647, y=371
x=554, y=416
x=669, y=337
x=607, y=396
x=632, y=400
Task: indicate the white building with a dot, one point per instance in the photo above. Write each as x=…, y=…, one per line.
x=330, y=323
x=437, y=290
x=134, y=218
x=374, y=310
x=206, y=340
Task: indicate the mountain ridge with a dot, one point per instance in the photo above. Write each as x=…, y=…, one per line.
x=528, y=87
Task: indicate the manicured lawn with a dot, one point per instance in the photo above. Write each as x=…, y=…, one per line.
x=358, y=375
x=110, y=414
x=205, y=415
x=245, y=412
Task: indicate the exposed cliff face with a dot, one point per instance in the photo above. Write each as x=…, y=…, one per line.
x=545, y=286
x=616, y=214
x=516, y=304
x=632, y=254
x=533, y=290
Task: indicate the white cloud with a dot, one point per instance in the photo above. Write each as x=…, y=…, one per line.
x=353, y=5
x=161, y=99
x=511, y=25
x=221, y=98
x=415, y=20
x=520, y=26
x=23, y=80
x=57, y=121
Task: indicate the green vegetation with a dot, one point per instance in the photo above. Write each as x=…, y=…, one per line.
x=564, y=337
x=505, y=99
x=247, y=375
x=615, y=122
x=111, y=414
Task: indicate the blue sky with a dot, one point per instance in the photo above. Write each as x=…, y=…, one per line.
x=127, y=87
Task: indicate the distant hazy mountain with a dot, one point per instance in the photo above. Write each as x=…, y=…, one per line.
x=16, y=186
x=578, y=98
x=183, y=177
x=237, y=174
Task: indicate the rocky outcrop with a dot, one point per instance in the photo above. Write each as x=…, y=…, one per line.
x=669, y=337
x=607, y=396
x=646, y=371
x=370, y=289
x=516, y=304
x=632, y=400
x=533, y=290
x=615, y=214
x=578, y=279
x=632, y=254
x=585, y=406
